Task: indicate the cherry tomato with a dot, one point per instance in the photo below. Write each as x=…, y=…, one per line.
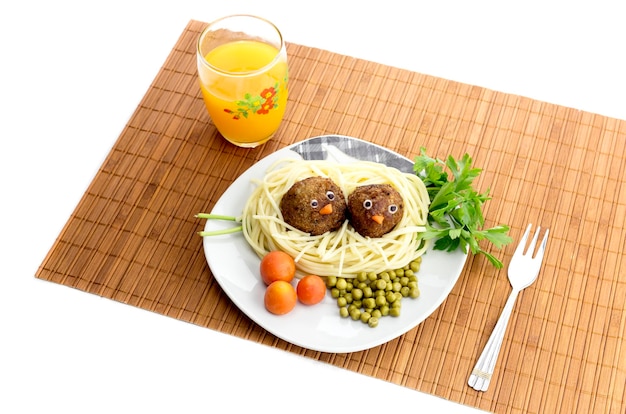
x=280, y=297
x=311, y=289
x=277, y=265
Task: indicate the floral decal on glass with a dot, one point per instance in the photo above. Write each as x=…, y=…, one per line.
x=260, y=104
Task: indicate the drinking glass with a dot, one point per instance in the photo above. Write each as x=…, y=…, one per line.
x=242, y=68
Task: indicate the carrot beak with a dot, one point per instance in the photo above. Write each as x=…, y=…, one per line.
x=378, y=219
x=327, y=209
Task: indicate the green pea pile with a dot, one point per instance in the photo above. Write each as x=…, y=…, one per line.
x=370, y=296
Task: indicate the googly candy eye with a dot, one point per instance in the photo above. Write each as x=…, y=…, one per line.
x=314, y=203
x=392, y=209
x=330, y=195
x=367, y=204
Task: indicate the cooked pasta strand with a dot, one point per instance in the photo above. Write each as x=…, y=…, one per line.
x=343, y=252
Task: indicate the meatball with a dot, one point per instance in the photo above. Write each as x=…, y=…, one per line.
x=374, y=210
x=314, y=205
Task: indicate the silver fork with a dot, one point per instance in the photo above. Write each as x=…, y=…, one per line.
x=523, y=271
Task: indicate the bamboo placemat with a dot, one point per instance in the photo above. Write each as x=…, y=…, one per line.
x=132, y=237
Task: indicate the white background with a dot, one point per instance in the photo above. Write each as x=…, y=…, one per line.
x=71, y=75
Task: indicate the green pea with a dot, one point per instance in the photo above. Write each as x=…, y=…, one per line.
x=365, y=316
x=343, y=312
x=361, y=277
x=381, y=284
x=369, y=303
x=372, y=322
x=381, y=301
x=357, y=294
x=342, y=302
x=376, y=313
x=367, y=292
x=405, y=291
x=399, y=272
x=394, y=312
x=355, y=314
x=415, y=266
x=372, y=276
x=331, y=281
x=414, y=293
x=341, y=284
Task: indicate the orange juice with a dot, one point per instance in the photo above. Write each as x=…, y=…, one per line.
x=244, y=87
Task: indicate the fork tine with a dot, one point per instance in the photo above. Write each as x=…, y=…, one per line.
x=533, y=242
x=519, y=250
x=542, y=246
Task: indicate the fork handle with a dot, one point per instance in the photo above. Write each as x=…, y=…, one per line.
x=483, y=370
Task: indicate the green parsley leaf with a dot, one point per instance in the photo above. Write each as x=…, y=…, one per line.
x=455, y=219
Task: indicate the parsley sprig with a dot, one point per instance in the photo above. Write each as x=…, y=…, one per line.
x=455, y=214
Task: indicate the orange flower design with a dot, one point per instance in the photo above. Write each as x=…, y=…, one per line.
x=260, y=104
x=268, y=93
x=265, y=108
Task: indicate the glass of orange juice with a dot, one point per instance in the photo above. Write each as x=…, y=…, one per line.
x=242, y=67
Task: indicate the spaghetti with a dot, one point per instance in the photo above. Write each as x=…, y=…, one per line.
x=342, y=252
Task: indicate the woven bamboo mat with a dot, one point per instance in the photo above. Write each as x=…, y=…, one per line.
x=132, y=237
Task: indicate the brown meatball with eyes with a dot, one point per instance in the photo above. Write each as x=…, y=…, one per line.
x=374, y=210
x=314, y=205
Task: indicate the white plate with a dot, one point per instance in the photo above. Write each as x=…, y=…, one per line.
x=236, y=267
